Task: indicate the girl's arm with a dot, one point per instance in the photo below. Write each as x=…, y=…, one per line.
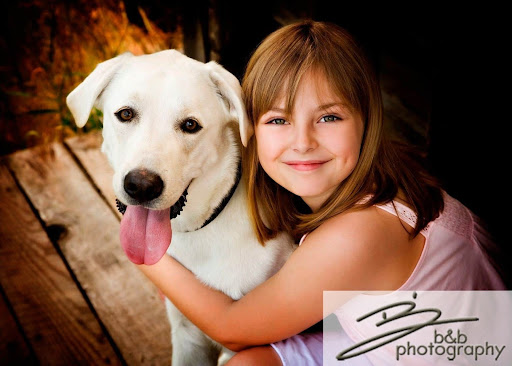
x=339, y=255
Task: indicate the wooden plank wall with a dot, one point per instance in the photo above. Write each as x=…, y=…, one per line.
x=71, y=294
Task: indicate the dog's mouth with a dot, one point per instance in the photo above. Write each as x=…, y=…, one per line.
x=146, y=234
x=175, y=209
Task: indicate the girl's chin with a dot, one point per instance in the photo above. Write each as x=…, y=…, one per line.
x=313, y=199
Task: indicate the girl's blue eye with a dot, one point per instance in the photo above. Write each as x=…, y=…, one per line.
x=277, y=121
x=329, y=118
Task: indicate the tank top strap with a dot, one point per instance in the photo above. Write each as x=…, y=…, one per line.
x=302, y=239
x=405, y=213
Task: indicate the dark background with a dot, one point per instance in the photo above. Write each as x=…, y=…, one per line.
x=442, y=72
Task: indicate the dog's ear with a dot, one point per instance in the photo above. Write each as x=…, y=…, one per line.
x=229, y=88
x=81, y=100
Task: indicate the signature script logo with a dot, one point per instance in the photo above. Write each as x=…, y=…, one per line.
x=382, y=339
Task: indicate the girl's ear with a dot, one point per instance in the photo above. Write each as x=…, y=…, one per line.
x=230, y=90
x=81, y=100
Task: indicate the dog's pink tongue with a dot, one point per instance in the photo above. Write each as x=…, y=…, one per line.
x=145, y=234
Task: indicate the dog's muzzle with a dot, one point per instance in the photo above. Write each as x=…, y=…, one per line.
x=175, y=209
x=143, y=186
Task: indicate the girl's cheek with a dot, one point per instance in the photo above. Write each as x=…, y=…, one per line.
x=262, y=149
x=268, y=142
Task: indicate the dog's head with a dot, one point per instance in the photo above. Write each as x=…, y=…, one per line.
x=165, y=118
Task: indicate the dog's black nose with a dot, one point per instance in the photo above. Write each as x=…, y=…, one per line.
x=143, y=185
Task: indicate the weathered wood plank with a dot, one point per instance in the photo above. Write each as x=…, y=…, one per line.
x=127, y=303
x=13, y=348
x=87, y=150
x=49, y=306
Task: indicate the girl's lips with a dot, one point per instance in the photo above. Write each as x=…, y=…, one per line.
x=305, y=165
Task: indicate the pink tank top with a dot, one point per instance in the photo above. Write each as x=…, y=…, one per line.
x=454, y=258
x=455, y=253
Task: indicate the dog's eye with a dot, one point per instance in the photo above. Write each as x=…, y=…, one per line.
x=125, y=114
x=190, y=126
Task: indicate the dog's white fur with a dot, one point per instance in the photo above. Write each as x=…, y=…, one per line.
x=164, y=89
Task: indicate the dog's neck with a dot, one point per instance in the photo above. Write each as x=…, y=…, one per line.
x=210, y=193
x=226, y=198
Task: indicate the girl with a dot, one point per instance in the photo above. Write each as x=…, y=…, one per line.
x=368, y=215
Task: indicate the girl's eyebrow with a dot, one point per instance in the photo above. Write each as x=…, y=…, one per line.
x=329, y=105
x=321, y=107
x=276, y=109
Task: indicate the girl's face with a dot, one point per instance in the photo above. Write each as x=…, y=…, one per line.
x=311, y=151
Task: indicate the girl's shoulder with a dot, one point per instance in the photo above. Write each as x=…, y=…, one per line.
x=373, y=243
x=356, y=224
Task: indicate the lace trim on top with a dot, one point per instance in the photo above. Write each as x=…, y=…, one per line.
x=405, y=214
x=457, y=217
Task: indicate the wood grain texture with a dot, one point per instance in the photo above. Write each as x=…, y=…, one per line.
x=88, y=235
x=87, y=150
x=52, y=312
x=13, y=348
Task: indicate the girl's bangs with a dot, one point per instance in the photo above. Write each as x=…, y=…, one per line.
x=274, y=85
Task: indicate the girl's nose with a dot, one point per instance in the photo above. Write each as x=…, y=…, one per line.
x=304, y=139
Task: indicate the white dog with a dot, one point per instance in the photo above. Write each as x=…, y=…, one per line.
x=170, y=132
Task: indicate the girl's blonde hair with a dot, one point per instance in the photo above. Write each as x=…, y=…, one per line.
x=383, y=168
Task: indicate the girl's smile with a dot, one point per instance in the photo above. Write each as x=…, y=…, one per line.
x=311, y=151
x=306, y=165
